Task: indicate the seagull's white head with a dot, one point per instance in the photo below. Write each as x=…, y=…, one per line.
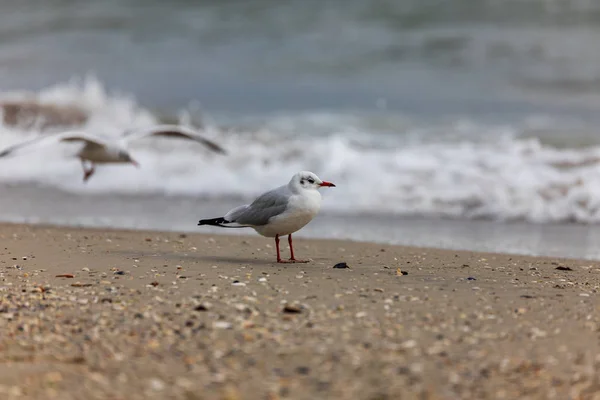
x=306, y=180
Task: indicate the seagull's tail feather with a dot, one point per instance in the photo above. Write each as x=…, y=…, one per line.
x=213, y=221
x=222, y=222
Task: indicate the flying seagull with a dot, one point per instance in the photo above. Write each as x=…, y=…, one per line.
x=96, y=150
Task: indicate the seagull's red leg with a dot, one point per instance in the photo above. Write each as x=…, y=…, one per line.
x=279, y=260
x=292, y=258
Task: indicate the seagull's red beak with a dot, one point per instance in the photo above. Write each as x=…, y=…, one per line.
x=328, y=184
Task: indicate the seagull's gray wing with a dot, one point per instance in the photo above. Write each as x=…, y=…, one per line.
x=77, y=137
x=173, y=131
x=265, y=207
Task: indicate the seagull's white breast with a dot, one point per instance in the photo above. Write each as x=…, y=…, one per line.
x=301, y=210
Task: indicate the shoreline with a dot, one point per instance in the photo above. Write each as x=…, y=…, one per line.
x=27, y=204
x=249, y=233
x=93, y=313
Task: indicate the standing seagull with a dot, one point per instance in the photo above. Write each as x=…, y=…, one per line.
x=279, y=212
x=95, y=150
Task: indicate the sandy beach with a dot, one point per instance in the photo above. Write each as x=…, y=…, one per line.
x=457, y=256
x=100, y=314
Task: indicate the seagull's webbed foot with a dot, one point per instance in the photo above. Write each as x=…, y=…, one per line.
x=292, y=261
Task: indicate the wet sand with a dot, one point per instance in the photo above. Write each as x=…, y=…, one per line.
x=30, y=203
x=100, y=314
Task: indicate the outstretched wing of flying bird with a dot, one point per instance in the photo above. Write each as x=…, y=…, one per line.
x=173, y=131
x=45, y=140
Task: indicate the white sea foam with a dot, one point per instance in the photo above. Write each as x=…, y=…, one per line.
x=379, y=163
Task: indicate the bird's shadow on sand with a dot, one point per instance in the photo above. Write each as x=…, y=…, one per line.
x=194, y=257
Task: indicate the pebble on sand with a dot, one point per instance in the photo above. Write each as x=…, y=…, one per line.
x=292, y=309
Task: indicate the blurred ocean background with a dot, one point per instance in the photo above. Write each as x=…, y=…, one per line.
x=468, y=124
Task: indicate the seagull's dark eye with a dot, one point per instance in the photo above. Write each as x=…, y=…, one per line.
x=302, y=181
x=311, y=180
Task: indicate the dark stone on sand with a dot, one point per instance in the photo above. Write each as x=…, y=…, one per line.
x=561, y=268
x=341, y=265
x=292, y=309
x=303, y=370
x=471, y=279
x=119, y=272
x=403, y=370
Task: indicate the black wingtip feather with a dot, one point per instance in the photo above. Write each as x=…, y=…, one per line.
x=213, y=221
x=216, y=148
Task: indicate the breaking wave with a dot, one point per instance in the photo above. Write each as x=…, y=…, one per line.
x=381, y=163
